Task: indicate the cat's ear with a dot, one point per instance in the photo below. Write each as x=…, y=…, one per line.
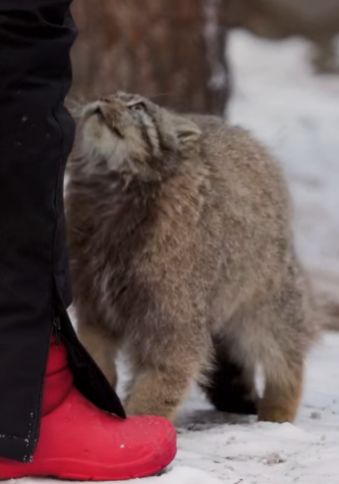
x=178, y=133
x=188, y=133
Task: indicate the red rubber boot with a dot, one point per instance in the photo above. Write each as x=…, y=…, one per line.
x=78, y=441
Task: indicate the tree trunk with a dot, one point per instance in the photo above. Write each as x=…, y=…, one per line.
x=170, y=50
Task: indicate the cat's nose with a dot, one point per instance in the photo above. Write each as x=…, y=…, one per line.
x=113, y=101
x=92, y=108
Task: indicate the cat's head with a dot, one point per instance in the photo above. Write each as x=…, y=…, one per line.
x=128, y=133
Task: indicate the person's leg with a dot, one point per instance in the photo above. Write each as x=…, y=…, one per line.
x=36, y=135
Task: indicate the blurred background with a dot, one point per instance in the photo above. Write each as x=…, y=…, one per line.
x=269, y=65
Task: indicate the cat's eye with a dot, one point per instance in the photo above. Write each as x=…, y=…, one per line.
x=140, y=106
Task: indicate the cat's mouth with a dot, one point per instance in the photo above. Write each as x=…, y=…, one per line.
x=97, y=111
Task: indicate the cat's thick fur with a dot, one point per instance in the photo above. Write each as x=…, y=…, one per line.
x=182, y=253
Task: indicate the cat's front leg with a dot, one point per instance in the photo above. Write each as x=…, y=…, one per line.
x=162, y=381
x=160, y=391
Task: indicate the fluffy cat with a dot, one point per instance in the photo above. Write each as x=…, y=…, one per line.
x=182, y=254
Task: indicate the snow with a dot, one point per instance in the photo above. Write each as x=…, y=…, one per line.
x=179, y=475
x=296, y=113
x=277, y=96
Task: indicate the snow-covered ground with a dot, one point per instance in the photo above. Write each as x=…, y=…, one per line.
x=278, y=97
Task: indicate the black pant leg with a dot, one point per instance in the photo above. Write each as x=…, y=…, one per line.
x=36, y=135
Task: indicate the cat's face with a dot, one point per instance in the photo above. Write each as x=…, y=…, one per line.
x=128, y=133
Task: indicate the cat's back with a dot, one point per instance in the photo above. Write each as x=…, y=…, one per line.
x=242, y=167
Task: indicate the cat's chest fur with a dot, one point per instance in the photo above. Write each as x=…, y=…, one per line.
x=113, y=226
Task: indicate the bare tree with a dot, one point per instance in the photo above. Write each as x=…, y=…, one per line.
x=173, y=50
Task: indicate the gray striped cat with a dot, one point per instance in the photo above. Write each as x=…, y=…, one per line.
x=182, y=255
